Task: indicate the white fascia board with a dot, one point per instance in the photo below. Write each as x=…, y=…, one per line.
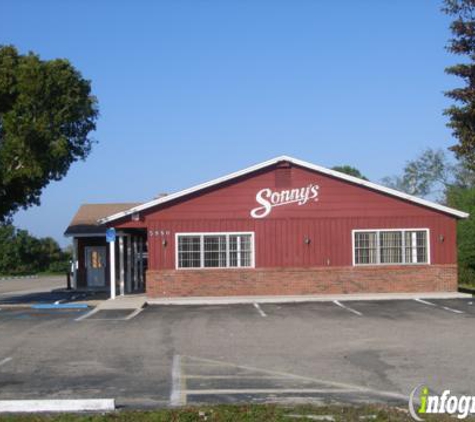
x=118, y=233
x=384, y=189
x=193, y=189
x=301, y=163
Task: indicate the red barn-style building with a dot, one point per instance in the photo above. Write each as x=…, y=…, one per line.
x=282, y=227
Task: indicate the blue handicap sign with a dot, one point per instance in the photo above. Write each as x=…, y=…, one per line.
x=110, y=234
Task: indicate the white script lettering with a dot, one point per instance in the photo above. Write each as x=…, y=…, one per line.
x=267, y=199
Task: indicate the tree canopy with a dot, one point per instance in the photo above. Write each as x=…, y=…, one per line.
x=428, y=174
x=462, y=113
x=46, y=115
x=351, y=171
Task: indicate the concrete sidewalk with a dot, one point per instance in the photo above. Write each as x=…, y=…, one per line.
x=228, y=300
x=124, y=302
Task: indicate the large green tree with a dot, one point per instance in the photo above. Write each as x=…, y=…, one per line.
x=47, y=113
x=462, y=113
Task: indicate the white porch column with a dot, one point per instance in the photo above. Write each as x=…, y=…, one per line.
x=141, y=274
x=136, y=267
x=75, y=263
x=129, y=265
x=121, y=266
x=112, y=268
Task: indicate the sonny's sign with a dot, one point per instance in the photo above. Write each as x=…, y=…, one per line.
x=268, y=199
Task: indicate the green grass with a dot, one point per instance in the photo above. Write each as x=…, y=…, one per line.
x=238, y=413
x=41, y=274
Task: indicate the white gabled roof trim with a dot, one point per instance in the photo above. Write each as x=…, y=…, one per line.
x=323, y=170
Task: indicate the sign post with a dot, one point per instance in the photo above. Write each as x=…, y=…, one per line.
x=110, y=238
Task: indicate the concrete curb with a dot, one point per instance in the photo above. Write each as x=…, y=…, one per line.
x=31, y=406
x=301, y=299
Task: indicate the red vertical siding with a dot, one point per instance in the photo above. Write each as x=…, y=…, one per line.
x=279, y=237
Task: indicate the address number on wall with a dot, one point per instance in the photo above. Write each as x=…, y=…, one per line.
x=156, y=233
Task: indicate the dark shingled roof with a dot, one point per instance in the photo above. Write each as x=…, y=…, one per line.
x=86, y=219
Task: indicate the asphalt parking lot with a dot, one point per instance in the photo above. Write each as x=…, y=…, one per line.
x=42, y=290
x=349, y=351
x=28, y=285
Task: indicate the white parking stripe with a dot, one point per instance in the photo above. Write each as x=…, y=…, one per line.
x=455, y=311
x=445, y=308
x=4, y=361
x=263, y=314
x=338, y=303
x=425, y=302
x=227, y=391
x=87, y=315
x=20, y=406
x=241, y=377
x=133, y=314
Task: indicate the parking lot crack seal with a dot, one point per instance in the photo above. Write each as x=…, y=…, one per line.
x=178, y=394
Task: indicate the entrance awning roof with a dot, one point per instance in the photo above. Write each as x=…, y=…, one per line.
x=86, y=220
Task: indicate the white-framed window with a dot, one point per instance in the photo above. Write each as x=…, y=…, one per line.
x=214, y=250
x=391, y=246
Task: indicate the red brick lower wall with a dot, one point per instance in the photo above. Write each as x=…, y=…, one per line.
x=302, y=281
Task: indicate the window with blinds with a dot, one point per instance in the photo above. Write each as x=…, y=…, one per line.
x=405, y=246
x=215, y=250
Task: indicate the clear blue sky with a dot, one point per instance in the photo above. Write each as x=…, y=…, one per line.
x=193, y=89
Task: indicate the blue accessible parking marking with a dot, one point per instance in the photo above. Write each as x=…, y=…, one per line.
x=60, y=306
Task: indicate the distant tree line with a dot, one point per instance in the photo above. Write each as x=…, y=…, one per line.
x=22, y=253
x=433, y=176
